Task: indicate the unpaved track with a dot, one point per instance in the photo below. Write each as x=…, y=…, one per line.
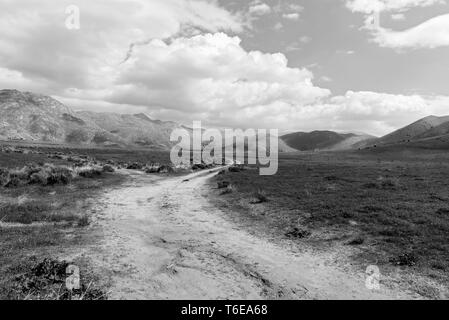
x=164, y=240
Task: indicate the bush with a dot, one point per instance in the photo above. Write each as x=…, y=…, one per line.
x=26, y=213
x=298, y=233
x=4, y=176
x=223, y=184
x=60, y=175
x=260, y=196
x=390, y=183
x=89, y=171
x=236, y=168
x=135, y=166
x=151, y=169
x=108, y=168
x=406, y=259
x=51, y=175
x=16, y=178
x=229, y=189
x=83, y=221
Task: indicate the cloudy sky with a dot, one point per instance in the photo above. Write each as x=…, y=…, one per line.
x=347, y=65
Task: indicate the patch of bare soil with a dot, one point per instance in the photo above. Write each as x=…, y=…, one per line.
x=164, y=239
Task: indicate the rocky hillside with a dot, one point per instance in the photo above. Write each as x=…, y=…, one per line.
x=33, y=117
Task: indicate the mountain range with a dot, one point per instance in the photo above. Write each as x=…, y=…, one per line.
x=35, y=117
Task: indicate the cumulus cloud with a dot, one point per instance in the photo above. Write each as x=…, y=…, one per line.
x=381, y=113
x=212, y=78
x=370, y=6
x=432, y=33
x=291, y=16
x=35, y=42
x=213, y=74
x=398, y=16
x=259, y=8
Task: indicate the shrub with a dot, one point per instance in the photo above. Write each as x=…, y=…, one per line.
x=151, y=168
x=16, y=178
x=89, y=171
x=390, y=183
x=229, y=189
x=260, y=196
x=51, y=175
x=135, y=166
x=83, y=221
x=60, y=175
x=4, y=176
x=298, y=233
x=108, y=168
x=356, y=241
x=236, y=168
x=405, y=259
x=40, y=178
x=26, y=212
x=223, y=184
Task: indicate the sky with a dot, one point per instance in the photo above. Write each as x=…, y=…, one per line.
x=295, y=65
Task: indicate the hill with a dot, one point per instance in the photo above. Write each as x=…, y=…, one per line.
x=423, y=128
x=323, y=140
x=34, y=117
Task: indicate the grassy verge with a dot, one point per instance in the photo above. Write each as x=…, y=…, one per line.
x=391, y=210
x=44, y=214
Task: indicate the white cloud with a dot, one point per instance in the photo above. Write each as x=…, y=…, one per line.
x=432, y=33
x=210, y=73
x=398, y=16
x=381, y=113
x=259, y=8
x=370, y=6
x=295, y=7
x=35, y=43
x=291, y=16
x=326, y=79
x=213, y=79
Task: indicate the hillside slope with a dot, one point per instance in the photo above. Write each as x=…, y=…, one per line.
x=423, y=128
x=323, y=140
x=34, y=117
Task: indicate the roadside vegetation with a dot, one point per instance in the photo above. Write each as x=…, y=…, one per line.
x=387, y=209
x=47, y=203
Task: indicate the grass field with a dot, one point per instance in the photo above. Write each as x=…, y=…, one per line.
x=99, y=154
x=391, y=208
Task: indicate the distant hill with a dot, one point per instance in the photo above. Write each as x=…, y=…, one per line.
x=323, y=140
x=430, y=132
x=423, y=128
x=34, y=117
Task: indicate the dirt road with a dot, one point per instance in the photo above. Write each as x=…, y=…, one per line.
x=164, y=240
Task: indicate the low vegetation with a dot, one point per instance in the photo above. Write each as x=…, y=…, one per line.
x=45, y=205
x=390, y=209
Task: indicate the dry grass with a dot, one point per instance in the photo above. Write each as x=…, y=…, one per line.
x=42, y=214
x=386, y=205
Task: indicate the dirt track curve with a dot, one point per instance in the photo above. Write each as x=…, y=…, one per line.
x=163, y=240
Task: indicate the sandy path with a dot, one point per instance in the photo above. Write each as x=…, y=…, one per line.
x=164, y=240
